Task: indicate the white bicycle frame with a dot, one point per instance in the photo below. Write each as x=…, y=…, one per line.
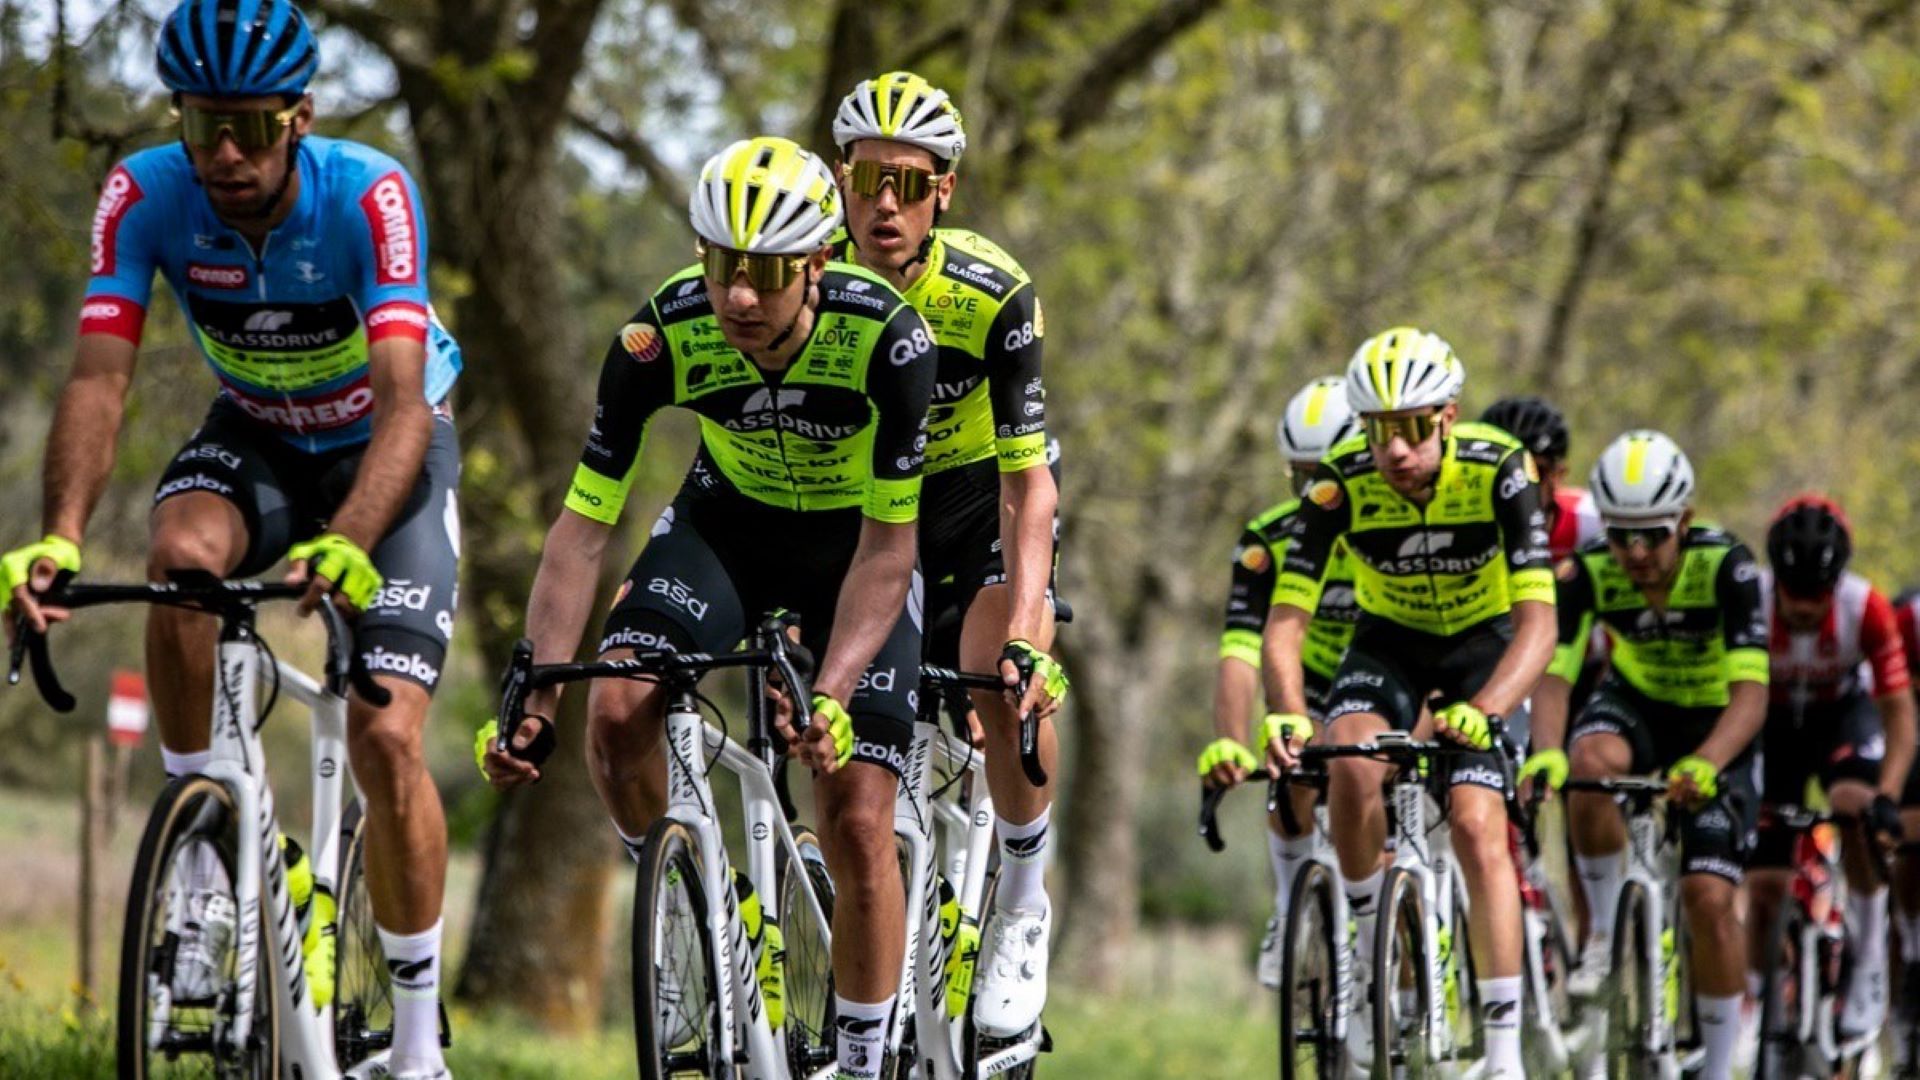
x=1342, y=917
x=239, y=764
x=1815, y=1028
x=1654, y=866
x=743, y=1014
x=1553, y=1042
x=1429, y=858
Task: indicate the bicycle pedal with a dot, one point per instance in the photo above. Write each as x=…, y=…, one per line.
x=446, y=1028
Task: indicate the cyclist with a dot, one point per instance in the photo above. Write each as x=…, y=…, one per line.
x=1572, y=519
x=986, y=522
x=1685, y=691
x=1827, y=628
x=811, y=382
x=1906, y=872
x=1315, y=419
x=300, y=263
x=1450, y=566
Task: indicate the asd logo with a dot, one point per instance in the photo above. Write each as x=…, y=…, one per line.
x=876, y=680
x=679, y=594
x=401, y=593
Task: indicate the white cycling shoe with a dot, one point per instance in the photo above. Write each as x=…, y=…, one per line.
x=381, y=1068
x=1268, y=968
x=205, y=934
x=1590, y=978
x=1014, y=989
x=1865, y=1007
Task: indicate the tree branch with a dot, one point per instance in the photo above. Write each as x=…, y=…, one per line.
x=639, y=154
x=693, y=15
x=851, y=55
x=375, y=27
x=559, y=46
x=1588, y=230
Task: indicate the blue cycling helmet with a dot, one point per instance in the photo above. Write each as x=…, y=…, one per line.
x=237, y=48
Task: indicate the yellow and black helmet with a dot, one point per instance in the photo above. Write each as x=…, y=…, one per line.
x=765, y=196
x=1403, y=368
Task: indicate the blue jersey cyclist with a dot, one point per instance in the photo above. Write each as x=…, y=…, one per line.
x=301, y=265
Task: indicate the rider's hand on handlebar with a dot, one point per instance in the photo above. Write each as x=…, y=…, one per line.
x=827, y=742
x=1283, y=735
x=26, y=572
x=1046, y=680
x=1225, y=762
x=1464, y=723
x=506, y=771
x=1548, y=765
x=333, y=563
x=1883, y=822
x=1692, y=781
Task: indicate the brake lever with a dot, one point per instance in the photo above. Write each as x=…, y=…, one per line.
x=340, y=651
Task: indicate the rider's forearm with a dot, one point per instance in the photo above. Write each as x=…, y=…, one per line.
x=1897, y=718
x=1739, y=724
x=872, y=598
x=1523, y=662
x=563, y=595
x=1233, y=696
x=1280, y=670
x=1550, y=704
x=1028, y=501
x=402, y=428
x=85, y=432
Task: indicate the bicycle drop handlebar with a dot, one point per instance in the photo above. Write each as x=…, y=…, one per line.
x=232, y=601
x=934, y=679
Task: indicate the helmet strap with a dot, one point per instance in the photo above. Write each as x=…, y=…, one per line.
x=286, y=179
x=807, y=299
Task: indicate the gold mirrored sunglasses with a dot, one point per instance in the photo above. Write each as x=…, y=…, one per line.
x=250, y=129
x=910, y=183
x=1415, y=429
x=766, y=273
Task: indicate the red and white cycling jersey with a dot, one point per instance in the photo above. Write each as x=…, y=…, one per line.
x=1576, y=520
x=1857, y=648
x=1906, y=612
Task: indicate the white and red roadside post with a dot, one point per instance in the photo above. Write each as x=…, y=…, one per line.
x=103, y=788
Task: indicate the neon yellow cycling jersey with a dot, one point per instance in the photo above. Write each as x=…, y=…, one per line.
x=1475, y=549
x=1256, y=566
x=842, y=425
x=988, y=397
x=1711, y=634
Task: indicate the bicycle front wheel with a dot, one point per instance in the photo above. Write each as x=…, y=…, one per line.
x=807, y=961
x=676, y=1005
x=363, y=990
x=1311, y=964
x=1634, y=997
x=178, y=953
x=1782, y=996
x=1402, y=980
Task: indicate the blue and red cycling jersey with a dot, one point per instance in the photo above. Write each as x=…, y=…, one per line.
x=285, y=329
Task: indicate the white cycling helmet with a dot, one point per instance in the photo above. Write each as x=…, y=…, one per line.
x=1403, y=368
x=766, y=196
x=1316, y=418
x=1642, y=475
x=902, y=107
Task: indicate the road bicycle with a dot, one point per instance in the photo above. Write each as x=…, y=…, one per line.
x=225, y=817
x=709, y=1001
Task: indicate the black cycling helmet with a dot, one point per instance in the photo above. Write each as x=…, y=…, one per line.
x=1537, y=424
x=1808, y=545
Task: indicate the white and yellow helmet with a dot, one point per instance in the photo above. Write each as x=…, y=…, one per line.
x=1642, y=475
x=767, y=196
x=1316, y=418
x=902, y=107
x=1403, y=368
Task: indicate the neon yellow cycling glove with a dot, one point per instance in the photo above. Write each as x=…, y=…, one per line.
x=16, y=566
x=1285, y=727
x=1467, y=724
x=1224, y=752
x=839, y=725
x=1550, y=765
x=342, y=562
x=1032, y=662
x=1704, y=774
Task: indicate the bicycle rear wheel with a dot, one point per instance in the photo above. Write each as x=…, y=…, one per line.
x=1311, y=963
x=807, y=959
x=160, y=1031
x=1634, y=997
x=1782, y=996
x=676, y=1007
x=1402, y=981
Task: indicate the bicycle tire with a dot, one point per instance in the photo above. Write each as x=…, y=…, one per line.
x=1545, y=978
x=1400, y=967
x=1781, y=993
x=676, y=1028
x=807, y=960
x=1469, y=1041
x=1311, y=949
x=975, y=1046
x=363, y=989
x=1632, y=999
x=189, y=808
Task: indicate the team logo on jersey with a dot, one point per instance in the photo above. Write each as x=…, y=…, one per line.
x=117, y=197
x=1255, y=558
x=389, y=211
x=641, y=341
x=1325, y=494
x=217, y=277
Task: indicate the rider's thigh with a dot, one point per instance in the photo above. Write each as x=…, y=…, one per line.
x=856, y=805
x=388, y=741
x=620, y=711
x=983, y=636
x=1849, y=798
x=1359, y=775
x=1600, y=755
x=195, y=530
x=1708, y=898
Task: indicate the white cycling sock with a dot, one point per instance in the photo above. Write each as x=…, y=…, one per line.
x=1719, y=1030
x=1909, y=922
x=1023, y=864
x=1288, y=854
x=1869, y=912
x=182, y=763
x=1362, y=902
x=862, y=1036
x=635, y=844
x=1601, y=876
x=413, y=964
x=1500, y=1019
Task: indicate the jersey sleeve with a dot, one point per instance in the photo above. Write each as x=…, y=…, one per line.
x=636, y=382
x=1743, y=622
x=1324, y=516
x=1014, y=385
x=1573, y=609
x=1523, y=529
x=900, y=385
x=126, y=226
x=1881, y=640
x=1248, y=598
x=389, y=236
